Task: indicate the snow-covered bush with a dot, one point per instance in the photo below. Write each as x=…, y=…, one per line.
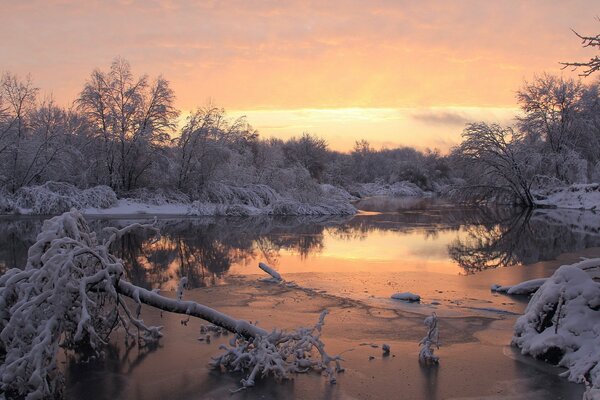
x=578, y=196
x=397, y=189
x=291, y=207
x=562, y=325
x=158, y=197
x=58, y=197
x=250, y=195
x=336, y=192
x=279, y=354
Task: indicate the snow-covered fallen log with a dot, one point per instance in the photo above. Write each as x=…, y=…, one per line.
x=406, y=296
x=562, y=324
x=71, y=295
x=274, y=274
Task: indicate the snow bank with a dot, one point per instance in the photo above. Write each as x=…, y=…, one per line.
x=562, y=325
x=579, y=196
x=217, y=199
x=523, y=288
x=406, y=296
x=529, y=287
x=58, y=197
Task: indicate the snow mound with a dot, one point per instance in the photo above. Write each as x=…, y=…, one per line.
x=529, y=287
x=523, y=288
x=58, y=197
x=336, y=192
x=406, y=296
x=562, y=325
x=579, y=196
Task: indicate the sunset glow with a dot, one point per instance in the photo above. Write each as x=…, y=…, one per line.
x=395, y=73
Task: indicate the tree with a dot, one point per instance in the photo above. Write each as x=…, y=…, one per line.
x=131, y=117
x=208, y=143
x=552, y=113
x=591, y=66
x=19, y=97
x=499, y=162
x=308, y=151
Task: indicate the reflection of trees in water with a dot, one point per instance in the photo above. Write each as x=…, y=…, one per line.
x=204, y=249
x=16, y=235
x=525, y=238
x=119, y=361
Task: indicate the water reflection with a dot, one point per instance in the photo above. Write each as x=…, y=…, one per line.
x=525, y=238
x=206, y=249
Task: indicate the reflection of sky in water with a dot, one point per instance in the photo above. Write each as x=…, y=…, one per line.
x=395, y=238
x=384, y=250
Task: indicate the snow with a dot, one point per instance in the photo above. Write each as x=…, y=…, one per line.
x=577, y=196
x=397, y=189
x=523, y=288
x=561, y=324
x=431, y=340
x=529, y=287
x=406, y=296
x=58, y=197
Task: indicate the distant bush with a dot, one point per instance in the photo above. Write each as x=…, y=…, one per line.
x=58, y=197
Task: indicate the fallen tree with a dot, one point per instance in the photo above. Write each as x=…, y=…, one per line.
x=72, y=294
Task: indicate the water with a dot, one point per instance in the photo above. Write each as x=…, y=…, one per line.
x=449, y=255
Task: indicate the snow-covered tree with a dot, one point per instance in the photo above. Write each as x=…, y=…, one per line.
x=131, y=118
x=500, y=163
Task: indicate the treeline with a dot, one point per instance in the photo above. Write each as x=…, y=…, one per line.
x=554, y=142
x=122, y=131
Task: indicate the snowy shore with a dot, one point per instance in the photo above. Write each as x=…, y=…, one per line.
x=577, y=196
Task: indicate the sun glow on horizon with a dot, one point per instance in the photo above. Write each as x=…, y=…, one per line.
x=428, y=127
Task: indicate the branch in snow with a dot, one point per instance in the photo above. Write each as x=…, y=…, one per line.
x=429, y=341
x=276, y=277
x=279, y=354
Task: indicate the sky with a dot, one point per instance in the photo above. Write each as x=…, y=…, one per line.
x=391, y=72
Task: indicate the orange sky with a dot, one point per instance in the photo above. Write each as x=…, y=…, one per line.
x=393, y=72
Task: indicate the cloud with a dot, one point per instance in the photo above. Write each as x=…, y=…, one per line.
x=442, y=117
